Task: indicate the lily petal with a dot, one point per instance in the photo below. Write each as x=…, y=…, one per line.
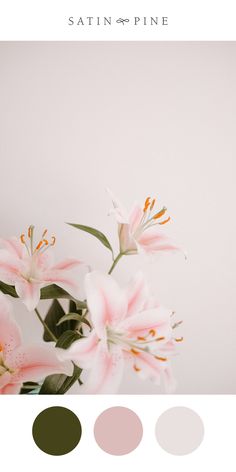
x=14, y=246
x=82, y=352
x=136, y=293
x=5, y=379
x=119, y=210
x=9, y=267
x=29, y=292
x=63, y=280
x=106, y=373
x=67, y=264
x=156, y=319
x=153, y=239
x=10, y=335
x=169, y=347
x=127, y=242
x=44, y=261
x=148, y=367
x=10, y=389
x=106, y=301
x=170, y=383
x=36, y=362
x=135, y=217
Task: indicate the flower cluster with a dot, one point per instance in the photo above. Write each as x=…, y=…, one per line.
x=92, y=342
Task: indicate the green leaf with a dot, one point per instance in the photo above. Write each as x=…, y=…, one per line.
x=69, y=381
x=76, y=306
x=55, y=313
x=74, y=316
x=59, y=383
x=8, y=290
x=28, y=387
x=95, y=232
x=72, y=307
x=67, y=338
x=49, y=292
x=53, y=291
x=52, y=384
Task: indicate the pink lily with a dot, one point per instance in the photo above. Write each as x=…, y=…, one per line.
x=30, y=268
x=141, y=229
x=130, y=327
x=19, y=363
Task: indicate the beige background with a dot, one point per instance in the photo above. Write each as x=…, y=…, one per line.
x=143, y=119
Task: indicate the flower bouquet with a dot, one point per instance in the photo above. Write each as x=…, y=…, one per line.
x=90, y=343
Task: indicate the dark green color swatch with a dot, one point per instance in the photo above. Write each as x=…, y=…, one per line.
x=56, y=430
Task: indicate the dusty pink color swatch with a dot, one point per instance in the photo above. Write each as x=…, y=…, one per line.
x=118, y=430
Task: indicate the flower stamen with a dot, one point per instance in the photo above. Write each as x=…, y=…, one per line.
x=31, y=237
x=136, y=353
x=160, y=213
x=165, y=221
x=42, y=245
x=177, y=324
x=39, y=245
x=163, y=359
x=146, y=204
x=53, y=241
x=152, y=332
x=152, y=204
x=22, y=238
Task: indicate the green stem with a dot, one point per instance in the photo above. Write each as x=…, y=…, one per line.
x=116, y=260
x=45, y=326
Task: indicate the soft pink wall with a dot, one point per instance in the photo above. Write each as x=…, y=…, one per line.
x=143, y=119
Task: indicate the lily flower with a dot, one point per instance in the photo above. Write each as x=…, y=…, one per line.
x=21, y=363
x=142, y=228
x=129, y=327
x=30, y=267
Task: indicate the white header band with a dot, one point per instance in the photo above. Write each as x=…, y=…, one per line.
x=101, y=20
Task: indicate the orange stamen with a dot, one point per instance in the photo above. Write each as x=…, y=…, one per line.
x=160, y=213
x=45, y=241
x=179, y=340
x=39, y=245
x=136, y=353
x=163, y=359
x=152, y=332
x=146, y=204
x=1, y=348
x=165, y=221
x=53, y=241
x=161, y=338
x=137, y=369
x=141, y=338
x=22, y=238
x=152, y=204
x=29, y=232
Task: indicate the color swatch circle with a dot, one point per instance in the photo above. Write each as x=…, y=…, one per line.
x=56, y=430
x=179, y=430
x=118, y=431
